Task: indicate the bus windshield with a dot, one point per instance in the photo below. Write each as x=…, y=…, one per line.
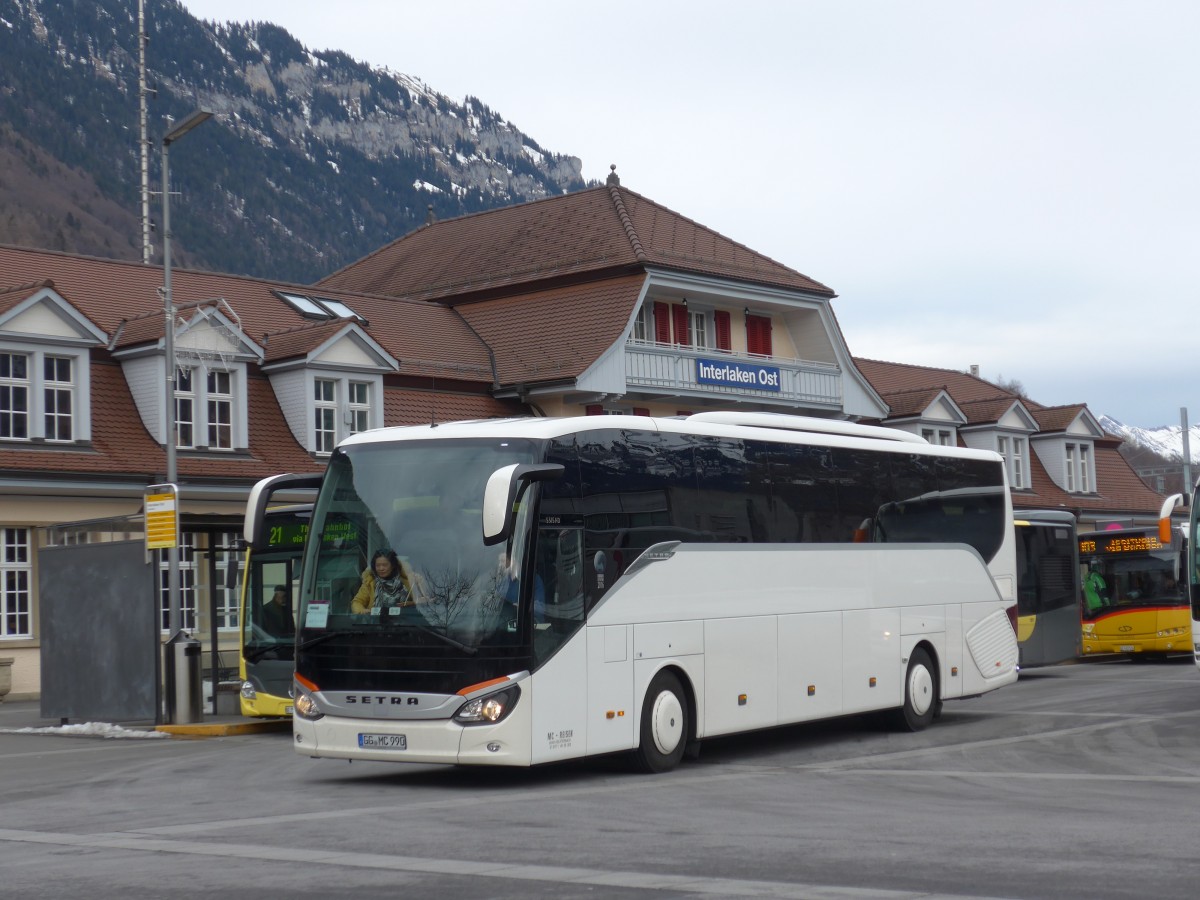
x=1127, y=570
x=400, y=561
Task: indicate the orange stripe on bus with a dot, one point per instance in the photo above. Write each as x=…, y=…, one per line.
x=483, y=684
x=304, y=682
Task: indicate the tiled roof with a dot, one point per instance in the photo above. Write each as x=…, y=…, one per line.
x=410, y=407
x=889, y=378
x=909, y=403
x=985, y=412
x=554, y=334
x=1057, y=418
x=301, y=340
x=427, y=338
x=587, y=232
x=11, y=295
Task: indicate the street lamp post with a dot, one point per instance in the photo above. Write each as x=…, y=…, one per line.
x=174, y=614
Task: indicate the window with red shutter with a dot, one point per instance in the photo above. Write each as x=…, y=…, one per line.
x=662, y=323
x=723, y=329
x=680, y=317
x=594, y=409
x=641, y=411
x=758, y=335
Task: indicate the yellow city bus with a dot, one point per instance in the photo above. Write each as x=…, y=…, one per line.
x=1135, y=600
x=268, y=618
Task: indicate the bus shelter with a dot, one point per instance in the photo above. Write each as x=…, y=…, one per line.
x=103, y=614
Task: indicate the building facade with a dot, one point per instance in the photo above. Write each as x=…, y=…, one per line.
x=596, y=302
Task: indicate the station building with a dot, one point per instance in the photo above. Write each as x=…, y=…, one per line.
x=596, y=302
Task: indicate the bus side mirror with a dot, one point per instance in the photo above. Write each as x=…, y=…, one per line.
x=260, y=495
x=501, y=493
x=1164, y=516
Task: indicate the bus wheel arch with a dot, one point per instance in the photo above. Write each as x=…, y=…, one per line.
x=922, y=690
x=667, y=722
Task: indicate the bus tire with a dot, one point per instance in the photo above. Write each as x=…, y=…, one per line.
x=665, y=725
x=920, y=692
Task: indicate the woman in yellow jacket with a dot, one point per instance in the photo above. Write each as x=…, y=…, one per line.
x=387, y=583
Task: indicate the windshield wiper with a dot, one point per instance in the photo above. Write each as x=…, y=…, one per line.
x=254, y=654
x=470, y=651
x=324, y=636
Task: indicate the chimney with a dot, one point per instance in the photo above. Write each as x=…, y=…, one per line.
x=975, y=371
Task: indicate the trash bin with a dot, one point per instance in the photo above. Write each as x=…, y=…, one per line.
x=183, y=684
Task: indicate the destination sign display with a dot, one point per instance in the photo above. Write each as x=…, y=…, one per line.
x=1127, y=543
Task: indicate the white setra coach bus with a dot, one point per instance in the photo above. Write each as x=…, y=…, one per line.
x=580, y=586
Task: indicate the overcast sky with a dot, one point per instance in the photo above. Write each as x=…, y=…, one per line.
x=1011, y=184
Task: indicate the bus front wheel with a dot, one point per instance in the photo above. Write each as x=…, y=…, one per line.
x=920, y=692
x=664, y=731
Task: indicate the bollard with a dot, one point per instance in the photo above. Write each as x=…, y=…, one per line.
x=183, y=686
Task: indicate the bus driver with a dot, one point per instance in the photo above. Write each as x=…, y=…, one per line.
x=387, y=583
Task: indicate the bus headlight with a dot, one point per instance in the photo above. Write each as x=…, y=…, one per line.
x=306, y=707
x=248, y=691
x=486, y=710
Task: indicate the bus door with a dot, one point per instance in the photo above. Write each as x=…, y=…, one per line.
x=1048, y=593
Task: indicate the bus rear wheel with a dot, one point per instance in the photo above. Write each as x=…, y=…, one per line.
x=920, y=693
x=664, y=728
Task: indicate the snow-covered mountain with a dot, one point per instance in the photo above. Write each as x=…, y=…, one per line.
x=1165, y=441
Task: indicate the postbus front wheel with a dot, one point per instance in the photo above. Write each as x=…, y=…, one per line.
x=664, y=727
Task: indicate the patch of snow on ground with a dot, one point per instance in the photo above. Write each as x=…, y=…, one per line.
x=90, y=729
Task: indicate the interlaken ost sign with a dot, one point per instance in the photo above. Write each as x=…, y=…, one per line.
x=735, y=374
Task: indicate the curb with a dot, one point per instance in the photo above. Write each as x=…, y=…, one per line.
x=225, y=729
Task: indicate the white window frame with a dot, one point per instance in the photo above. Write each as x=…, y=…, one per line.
x=940, y=436
x=324, y=415
x=1077, y=467
x=10, y=414
x=36, y=385
x=358, y=406
x=186, y=406
x=187, y=584
x=218, y=401
x=52, y=386
x=1019, y=469
x=227, y=592
x=1014, y=449
x=642, y=332
x=698, y=330
x=340, y=410
x=16, y=578
x=207, y=402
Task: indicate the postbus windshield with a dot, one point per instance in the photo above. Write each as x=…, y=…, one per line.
x=1124, y=570
x=400, y=571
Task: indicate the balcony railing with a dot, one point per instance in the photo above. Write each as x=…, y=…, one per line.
x=672, y=367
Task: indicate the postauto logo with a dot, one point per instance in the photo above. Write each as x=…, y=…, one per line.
x=741, y=375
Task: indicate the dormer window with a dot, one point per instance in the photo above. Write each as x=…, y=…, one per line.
x=341, y=407
x=204, y=407
x=1014, y=451
x=39, y=396
x=941, y=436
x=1078, y=461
